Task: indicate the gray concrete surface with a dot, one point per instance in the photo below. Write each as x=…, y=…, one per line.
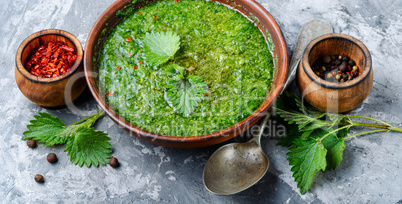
x=370, y=172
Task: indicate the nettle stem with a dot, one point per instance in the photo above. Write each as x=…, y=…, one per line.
x=383, y=127
x=334, y=131
x=90, y=120
x=367, y=132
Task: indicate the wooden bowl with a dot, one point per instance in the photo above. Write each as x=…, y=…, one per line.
x=109, y=19
x=50, y=92
x=331, y=96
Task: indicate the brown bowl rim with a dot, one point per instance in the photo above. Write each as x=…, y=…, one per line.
x=30, y=38
x=332, y=85
x=186, y=141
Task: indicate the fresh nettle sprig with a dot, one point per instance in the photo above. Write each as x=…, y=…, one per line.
x=183, y=91
x=316, y=140
x=83, y=144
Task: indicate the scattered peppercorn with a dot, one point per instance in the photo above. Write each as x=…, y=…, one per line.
x=31, y=143
x=336, y=68
x=113, y=162
x=51, y=158
x=39, y=178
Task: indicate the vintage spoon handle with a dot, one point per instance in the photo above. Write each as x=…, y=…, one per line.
x=307, y=33
x=262, y=127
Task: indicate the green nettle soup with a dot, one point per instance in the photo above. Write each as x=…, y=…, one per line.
x=219, y=45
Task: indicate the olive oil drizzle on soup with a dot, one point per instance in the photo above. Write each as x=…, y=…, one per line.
x=226, y=49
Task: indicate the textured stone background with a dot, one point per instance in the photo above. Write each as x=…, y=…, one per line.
x=370, y=172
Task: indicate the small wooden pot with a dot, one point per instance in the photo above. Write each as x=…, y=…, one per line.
x=50, y=92
x=331, y=96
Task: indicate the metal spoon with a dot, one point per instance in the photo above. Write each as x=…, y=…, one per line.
x=237, y=166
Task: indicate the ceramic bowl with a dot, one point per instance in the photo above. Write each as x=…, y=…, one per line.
x=53, y=92
x=331, y=96
x=108, y=19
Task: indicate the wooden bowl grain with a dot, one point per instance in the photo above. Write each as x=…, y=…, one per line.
x=266, y=24
x=330, y=96
x=49, y=92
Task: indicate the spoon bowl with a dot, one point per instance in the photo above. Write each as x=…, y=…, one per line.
x=243, y=165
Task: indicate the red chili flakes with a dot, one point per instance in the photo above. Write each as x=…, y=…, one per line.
x=110, y=93
x=51, y=60
x=129, y=39
x=118, y=67
x=156, y=18
x=140, y=62
x=165, y=28
x=206, y=94
x=135, y=67
x=178, y=1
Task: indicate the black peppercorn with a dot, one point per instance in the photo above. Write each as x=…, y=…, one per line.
x=326, y=59
x=335, y=68
x=113, y=162
x=31, y=143
x=344, y=76
x=343, y=67
x=51, y=158
x=39, y=178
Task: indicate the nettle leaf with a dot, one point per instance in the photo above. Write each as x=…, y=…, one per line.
x=335, y=147
x=46, y=129
x=89, y=147
x=307, y=157
x=184, y=93
x=343, y=132
x=305, y=135
x=287, y=102
x=292, y=133
x=160, y=47
x=304, y=122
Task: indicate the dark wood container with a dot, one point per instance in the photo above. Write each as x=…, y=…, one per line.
x=331, y=96
x=50, y=92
